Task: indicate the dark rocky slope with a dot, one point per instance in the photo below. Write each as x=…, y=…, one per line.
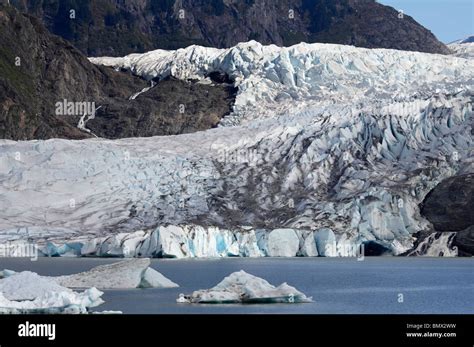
x=117, y=27
x=172, y=107
x=449, y=207
x=38, y=69
x=464, y=241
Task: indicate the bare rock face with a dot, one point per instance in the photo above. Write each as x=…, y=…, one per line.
x=449, y=206
x=464, y=241
x=39, y=70
x=116, y=27
x=171, y=107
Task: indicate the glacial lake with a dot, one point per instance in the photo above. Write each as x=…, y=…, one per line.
x=381, y=285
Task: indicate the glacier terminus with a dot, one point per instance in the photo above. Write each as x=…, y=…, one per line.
x=328, y=148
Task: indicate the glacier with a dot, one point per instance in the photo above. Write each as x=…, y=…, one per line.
x=274, y=80
x=462, y=49
x=328, y=147
x=241, y=287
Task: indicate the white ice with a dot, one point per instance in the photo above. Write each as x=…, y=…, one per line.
x=27, y=292
x=328, y=137
x=241, y=287
x=127, y=274
x=280, y=80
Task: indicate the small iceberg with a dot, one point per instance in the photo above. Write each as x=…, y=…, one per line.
x=127, y=274
x=241, y=287
x=29, y=293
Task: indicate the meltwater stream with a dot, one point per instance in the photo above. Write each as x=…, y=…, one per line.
x=337, y=285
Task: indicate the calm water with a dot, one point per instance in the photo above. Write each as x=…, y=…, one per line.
x=428, y=285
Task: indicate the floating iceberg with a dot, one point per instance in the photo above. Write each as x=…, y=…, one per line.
x=28, y=285
x=127, y=274
x=131, y=273
x=27, y=292
x=241, y=287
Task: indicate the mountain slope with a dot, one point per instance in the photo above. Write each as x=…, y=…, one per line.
x=115, y=27
x=38, y=70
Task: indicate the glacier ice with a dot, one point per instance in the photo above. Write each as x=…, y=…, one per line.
x=436, y=245
x=127, y=274
x=154, y=279
x=322, y=137
x=280, y=80
x=325, y=242
x=241, y=287
x=463, y=50
x=131, y=273
x=191, y=241
x=28, y=286
x=308, y=247
x=27, y=292
x=282, y=243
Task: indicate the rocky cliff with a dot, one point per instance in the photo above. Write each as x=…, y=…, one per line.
x=117, y=27
x=38, y=70
x=449, y=208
